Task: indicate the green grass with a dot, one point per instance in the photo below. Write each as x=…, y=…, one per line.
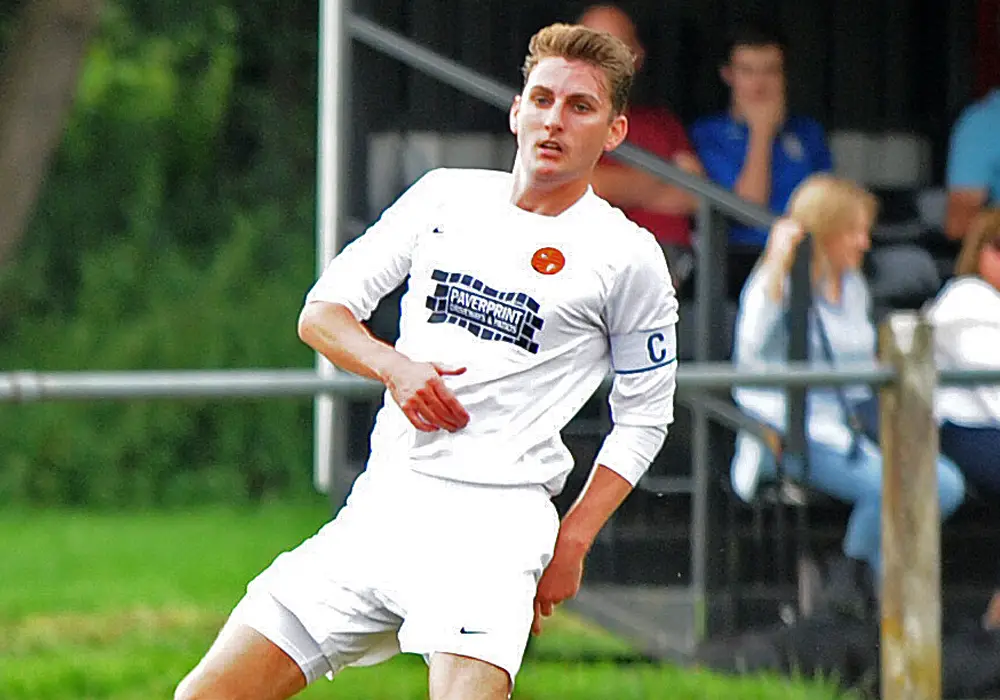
x=122, y=605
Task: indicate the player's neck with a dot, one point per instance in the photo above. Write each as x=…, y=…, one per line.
x=545, y=199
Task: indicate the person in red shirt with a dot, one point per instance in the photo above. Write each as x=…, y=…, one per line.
x=663, y=209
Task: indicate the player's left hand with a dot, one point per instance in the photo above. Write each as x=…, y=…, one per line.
x=560, y=581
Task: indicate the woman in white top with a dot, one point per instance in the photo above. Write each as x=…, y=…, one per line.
x=966, y=317
x=841, y=462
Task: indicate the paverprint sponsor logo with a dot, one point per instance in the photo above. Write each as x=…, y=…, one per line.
x=487, y=313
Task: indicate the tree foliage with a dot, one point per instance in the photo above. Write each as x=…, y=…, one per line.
x=175, y=231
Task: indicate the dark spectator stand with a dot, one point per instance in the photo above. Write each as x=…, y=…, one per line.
x=855, y=65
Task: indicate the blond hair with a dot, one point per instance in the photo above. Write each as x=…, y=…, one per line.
x=575, y=42
x=824, y=205
x=985, y=229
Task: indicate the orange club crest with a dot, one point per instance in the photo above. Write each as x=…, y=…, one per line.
x=548, y=261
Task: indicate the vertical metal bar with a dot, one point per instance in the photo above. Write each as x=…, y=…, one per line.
x=798, y=344
x=329, y=412
x=710, y=294
x=801, y=301
x=710, y=280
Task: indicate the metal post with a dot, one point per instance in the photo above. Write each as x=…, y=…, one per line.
x=800, y=303
x=710, y=295
x=911, y=524
x=329, y=412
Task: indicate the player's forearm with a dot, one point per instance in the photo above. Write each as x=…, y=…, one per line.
x=624, y=187
x=333, y=331
x=962, y=210
x=604, y=492
x=674, y=200
x=754, y=182
x=629, y=188
x=677, y=200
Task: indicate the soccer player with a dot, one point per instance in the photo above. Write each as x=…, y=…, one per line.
x=525, y=289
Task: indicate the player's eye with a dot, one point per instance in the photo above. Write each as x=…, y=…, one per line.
x=582, y=107
x=542, y=100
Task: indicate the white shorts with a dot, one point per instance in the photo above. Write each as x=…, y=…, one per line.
x=412, y=563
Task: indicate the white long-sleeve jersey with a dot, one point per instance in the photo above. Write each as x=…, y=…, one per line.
x=537, y=308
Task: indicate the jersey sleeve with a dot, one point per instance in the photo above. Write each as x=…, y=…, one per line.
x=720, y=166
x=680, y=143
x=641, y=318
x=379, y=260
x=759, y=318
x=819, y=149
x=970, y=157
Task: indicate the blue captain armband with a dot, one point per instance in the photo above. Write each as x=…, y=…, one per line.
x=642, y=351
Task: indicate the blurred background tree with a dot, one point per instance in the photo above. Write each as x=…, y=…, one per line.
x=38, y=76
x=174, y=229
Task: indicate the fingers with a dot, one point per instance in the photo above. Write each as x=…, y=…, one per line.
x=418, y=420
x=434, y=412
x=434, y=407
x=785, y=237
x=543, y=609
x=430, y=405
x=452, y=407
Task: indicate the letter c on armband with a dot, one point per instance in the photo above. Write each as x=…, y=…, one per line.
x=643, y=351
x=656, y=348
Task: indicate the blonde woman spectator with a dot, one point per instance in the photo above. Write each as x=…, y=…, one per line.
x=842, y=462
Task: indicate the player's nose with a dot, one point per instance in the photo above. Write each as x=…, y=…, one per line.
x=554, y=117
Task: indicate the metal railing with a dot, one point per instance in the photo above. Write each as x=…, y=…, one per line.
x=33, y=387
x=911, y=529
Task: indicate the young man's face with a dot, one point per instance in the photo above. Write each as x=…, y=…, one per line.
x=563, y=120
x=755, y=74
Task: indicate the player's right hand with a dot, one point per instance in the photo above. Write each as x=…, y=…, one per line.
x=424, y=398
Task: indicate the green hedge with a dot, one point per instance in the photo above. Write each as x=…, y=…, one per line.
x=175, y=232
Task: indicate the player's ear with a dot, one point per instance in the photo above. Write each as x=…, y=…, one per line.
x=515, y=107
x=617, y=132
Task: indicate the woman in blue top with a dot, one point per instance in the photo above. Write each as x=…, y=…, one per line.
x=842, y=464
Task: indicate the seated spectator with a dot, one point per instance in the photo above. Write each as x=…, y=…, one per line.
x=966, y=316
x=973, y=177
x=842, y=462
x=662, y=209
x=756, y=149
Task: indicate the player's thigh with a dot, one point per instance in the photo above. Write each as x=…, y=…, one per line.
x=480, y=612
x=242, y=663
x=455, y=677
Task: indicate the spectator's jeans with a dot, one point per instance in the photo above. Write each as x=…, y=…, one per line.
x=976, y=451
x=859, y=481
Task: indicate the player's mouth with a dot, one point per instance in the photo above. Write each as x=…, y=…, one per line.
x=550, y=147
